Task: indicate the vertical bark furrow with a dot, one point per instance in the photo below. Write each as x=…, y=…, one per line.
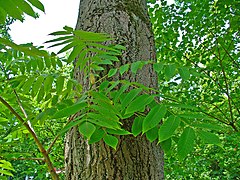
x=135, y=158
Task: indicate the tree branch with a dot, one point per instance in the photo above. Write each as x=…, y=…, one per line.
x=38, y=143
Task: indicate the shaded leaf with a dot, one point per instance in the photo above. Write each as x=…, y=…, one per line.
x=96, y=136
x=209, y=138
x=185, y=143
x=166, y=145
x=152, y=134
x=59, y=84
x=184, y=73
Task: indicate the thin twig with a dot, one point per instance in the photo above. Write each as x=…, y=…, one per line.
x=37, y=141
x=23, y=159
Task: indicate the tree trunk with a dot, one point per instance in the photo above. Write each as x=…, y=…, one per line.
x=135, y=158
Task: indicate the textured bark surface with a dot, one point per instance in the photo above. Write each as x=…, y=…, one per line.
x=135, y=158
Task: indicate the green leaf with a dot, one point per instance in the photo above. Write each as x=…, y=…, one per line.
x=120, y=92
x=37, y=85
x=40, y=64
x=110, y=140
x=47, y=62
x=11, y=9
x=168, y=128
x=183, y=106
x=68, y=46
x=208, y=126
x=6, y=172
x=152, y=134
x=69, y=86
x=66, y=112
x=25, y=7
x=166, y=145
x=48, y=84
x=96, y=136
x=71, y=124
x=113, y=85
x=185, y=143
x=139, y=103
x=130, y=96
x=3, y=16
x=59, y=33
x=154, y=117
x=37, y=4
x=27, y=85
x=59, y=84
x=102, y=121
x=3, y=120
x=68, y=28
x=118, y=46
x=76, y=50
x=41, y=94
x=137, y=126
x=124, y=69
x=91, y=36
x=87, y=129
x=184, y=73
x=6, y=165
x=103, y=85
x=170, y=71
x=209, y=138
x=67, y=43
x=158, y=67
x=195, y=116
x=118, y=131
x=136, y=66
x=108, y=57
x=112, y=72
x=60, y=39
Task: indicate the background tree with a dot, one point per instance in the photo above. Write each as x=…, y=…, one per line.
x=135, y=158
x=197, y=44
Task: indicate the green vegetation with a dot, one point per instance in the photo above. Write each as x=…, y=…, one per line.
x=198, y=69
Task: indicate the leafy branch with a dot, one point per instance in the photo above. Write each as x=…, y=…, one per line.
x=38, y=143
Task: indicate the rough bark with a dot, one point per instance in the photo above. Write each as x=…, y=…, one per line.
x=135, y=158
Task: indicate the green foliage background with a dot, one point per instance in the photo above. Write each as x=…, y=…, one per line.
x=197, y=44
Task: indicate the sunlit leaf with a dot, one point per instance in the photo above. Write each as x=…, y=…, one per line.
x=153, y=118
x=112, y=72
x=139, y=103
x=87, y=129
x=66, y=112
x=110, y=140
x=168, y=128
x=37, y=4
